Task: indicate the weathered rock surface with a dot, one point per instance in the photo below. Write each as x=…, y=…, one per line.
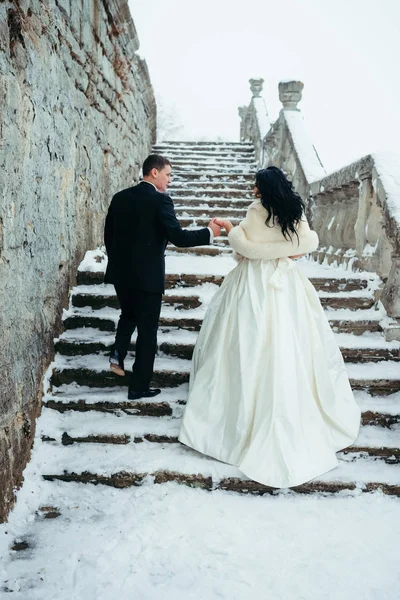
x=77, y=119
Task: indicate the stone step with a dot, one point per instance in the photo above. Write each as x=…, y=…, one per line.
x=226, y=197
x=69, y=347
x=377, y=411
x=204, y=155
x=193, y=279
x=206, y=212
x=216, y=151
x=219, y=177
x=183, y=168
x=124, y=479
x=200, y=221
x=238, y=161
x=207, y=186
x=213, y=250
x=174, y=377
x=210, y=203
x=205, y=146
x=193, y=323
x=388, y=454
x=131, y=465
x=98, y=301
x=167, y=409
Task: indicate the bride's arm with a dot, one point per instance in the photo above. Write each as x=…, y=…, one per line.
x=307, y=242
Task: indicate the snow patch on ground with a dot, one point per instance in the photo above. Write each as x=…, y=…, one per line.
x=182, y=544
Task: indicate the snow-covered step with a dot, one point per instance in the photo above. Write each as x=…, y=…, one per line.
x=207, y=160
x=209, y=169
x=379, y=428
x=213, y=250
x=116, y=402
x=207, y=150
x=175, y=342
x=99, y=427
x=94, y=300
x=188, y=279
x=204, y=155
x=191, y=319
x=211, y=189
x=97, y=301
x=205, y=146
x=216, y=184
x=377, y=411
x=202, y=221
x=93, y=371
x=185, y=278
x=214, y=177
x=129, y=464
x=209, y=212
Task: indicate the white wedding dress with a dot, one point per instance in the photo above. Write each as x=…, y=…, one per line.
x=268, y=391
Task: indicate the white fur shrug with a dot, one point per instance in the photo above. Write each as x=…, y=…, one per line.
x=253, y=239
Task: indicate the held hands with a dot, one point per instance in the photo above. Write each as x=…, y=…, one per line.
x=225, y=223
x=216, y=229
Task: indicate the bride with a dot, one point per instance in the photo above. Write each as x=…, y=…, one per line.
x=268, y=390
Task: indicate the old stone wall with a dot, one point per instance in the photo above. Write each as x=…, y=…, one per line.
x=77, y=118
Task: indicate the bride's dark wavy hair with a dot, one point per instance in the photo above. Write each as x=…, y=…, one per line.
x=280, y=200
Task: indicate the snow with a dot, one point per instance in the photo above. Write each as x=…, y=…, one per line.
x=308, y=157
x=378, y=437
x=78, y=424
x=385, y=404
x=365, y=340
x=330, y=223
x=99, y=362
x=379, y=370
x=94, y=261
x=150, y=457
x=101, y=289
x=222, y=265
x=264, y=124
x=387, y=165
x=73, y=392
x=346, y=314
x=184, y=544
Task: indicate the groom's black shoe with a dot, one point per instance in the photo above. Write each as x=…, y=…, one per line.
x=134, y=395
x=116, y=363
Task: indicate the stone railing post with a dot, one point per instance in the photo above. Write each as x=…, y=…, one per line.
x=255, y=123
x=391, y=298
x=290, y=93
x=242, y=110
x=364, y=204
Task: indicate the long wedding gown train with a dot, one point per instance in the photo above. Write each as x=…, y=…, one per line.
x=268, y=389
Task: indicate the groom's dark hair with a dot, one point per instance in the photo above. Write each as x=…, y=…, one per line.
x=154, y=161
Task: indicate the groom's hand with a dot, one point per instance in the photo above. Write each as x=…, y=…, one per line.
x=216, y=229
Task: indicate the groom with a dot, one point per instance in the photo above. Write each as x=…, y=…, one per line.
x=140, y=222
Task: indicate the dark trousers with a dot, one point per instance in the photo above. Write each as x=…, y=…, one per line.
x=141, y=310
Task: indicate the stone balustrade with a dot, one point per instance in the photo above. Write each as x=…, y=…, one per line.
x=356, y=210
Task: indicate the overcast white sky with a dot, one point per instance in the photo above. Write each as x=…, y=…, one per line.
x=347, y=52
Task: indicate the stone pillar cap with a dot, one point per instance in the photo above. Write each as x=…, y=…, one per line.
x=290, y=94
x=256, y=86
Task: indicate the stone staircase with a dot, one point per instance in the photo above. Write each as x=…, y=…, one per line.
x=94, y=434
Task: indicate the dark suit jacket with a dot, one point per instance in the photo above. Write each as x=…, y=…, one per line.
x=139, y=224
